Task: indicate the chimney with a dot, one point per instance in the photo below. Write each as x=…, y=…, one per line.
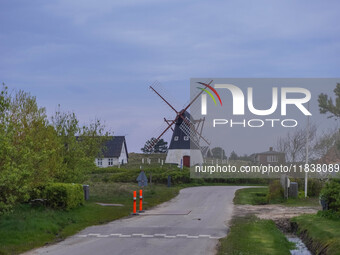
x=270, y=148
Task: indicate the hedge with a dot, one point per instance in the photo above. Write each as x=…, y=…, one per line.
x=275, y=191
x=331, y=194
x=64, y=195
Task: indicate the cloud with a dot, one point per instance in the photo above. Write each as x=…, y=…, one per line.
x=98, y=57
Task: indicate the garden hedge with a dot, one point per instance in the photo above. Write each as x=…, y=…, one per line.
x=64, y=195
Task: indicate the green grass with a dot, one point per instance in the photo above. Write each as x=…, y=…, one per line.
x=257, y=196
x=309, y=201
x=254, y=236
x=323, y=231
x=29, y=227
x=251, y=196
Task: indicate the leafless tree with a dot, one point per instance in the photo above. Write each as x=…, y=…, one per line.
x=324, y=143
x=294, y=143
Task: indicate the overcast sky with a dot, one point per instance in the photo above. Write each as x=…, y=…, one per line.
x=97, y=58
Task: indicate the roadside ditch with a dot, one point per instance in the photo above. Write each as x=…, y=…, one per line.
x=281, y=215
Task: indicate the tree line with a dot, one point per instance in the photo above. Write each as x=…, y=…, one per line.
x=35, y=150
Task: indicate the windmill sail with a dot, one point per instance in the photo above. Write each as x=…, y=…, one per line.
x=185, y=146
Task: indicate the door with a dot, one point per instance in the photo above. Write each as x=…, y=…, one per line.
x=186, y=161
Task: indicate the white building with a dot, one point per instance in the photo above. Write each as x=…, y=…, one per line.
x=114, y=152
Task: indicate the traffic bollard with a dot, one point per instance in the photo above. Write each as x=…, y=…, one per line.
x=141, y=201
x=134, y=203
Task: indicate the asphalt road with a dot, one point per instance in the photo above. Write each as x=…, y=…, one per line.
x=191, y=223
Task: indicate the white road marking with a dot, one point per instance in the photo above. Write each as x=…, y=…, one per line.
x=147, y=235
x=204, y=236
x=182, y=235
x=124, y=235
x=192, y=237
x=159, y=234
x=119, y=235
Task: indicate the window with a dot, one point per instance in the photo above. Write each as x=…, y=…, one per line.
x=176, y=138
x=186, y=138
x=110, y=162
x=99, y=162
x=272, y=158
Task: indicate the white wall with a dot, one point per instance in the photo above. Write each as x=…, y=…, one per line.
x=116, y=161
x=175, y=156
x=123, y=157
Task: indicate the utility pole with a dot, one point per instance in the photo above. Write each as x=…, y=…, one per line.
x=307, y=151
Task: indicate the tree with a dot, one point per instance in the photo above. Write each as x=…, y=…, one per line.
x=233, y=156
x=28, y=148
x=80, y=145
x=34, y=152
x=294, y=144
x=327, y=141
x=245, y=157
x=160, y=147
x=218, y=153
x=326, y=104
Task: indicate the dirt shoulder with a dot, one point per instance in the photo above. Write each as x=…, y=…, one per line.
x=273, y=212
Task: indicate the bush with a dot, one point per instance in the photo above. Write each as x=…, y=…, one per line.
x=314, y=187
x=329, y=214
x=64, y=195
x=275, y=192
x=331, y=194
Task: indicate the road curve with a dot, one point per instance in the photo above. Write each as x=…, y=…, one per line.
x=191, y=223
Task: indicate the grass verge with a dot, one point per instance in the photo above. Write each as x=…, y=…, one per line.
x=254, y=236
x=321, y=232
x=29, y=227
x=258, y=196
x=251, y=196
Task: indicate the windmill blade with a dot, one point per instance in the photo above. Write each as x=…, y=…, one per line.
x=157, y=139
x=190, y=122
x=195, y=98
x=188, y=132
x=168, y=122
x=167, y=97
x=189, y=129
x=189, y=100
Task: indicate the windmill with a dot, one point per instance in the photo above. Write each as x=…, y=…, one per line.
x=187, y=133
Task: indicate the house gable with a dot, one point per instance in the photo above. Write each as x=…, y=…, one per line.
x=114, y=152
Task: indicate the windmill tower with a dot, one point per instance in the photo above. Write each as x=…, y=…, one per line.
x=185, y=141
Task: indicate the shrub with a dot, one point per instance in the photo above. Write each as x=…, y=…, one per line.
x=314, y=187
x=275, y=192
x=64, y=195
x=331, y=193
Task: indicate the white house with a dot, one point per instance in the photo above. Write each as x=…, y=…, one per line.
x=114, y=152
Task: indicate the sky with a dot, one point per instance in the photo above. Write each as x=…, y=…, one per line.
x=98, y=58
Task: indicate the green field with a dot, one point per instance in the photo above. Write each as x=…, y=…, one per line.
x=254, y=236
x=29, y=227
